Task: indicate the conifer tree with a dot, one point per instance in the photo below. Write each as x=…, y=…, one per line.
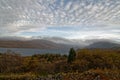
x=71, y=56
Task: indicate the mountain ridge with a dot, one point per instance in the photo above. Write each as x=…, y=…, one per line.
x=55, y=43
x=104, y=44
x=42, y=44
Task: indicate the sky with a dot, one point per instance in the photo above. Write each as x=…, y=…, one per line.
x=71, y=19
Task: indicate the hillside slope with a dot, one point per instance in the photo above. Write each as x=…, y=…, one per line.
x=42, y=44
x=104, y=44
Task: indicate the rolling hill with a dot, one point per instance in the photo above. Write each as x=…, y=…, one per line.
x=42, y=44
x=103, y=44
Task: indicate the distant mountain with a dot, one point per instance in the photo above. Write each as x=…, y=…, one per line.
x=104, y=44
x=42, y=44
x=59, y=40
x=55, y=43
x=39, y=42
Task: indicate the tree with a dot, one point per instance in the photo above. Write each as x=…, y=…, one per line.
x=71, y=56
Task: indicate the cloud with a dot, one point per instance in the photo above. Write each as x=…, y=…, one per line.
x=20, y=16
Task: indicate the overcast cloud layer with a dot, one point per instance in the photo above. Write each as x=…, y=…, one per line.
x=79, y=19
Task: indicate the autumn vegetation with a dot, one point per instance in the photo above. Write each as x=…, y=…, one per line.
x=82, y=64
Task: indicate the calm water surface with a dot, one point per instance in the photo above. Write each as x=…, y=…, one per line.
x=28, y=52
